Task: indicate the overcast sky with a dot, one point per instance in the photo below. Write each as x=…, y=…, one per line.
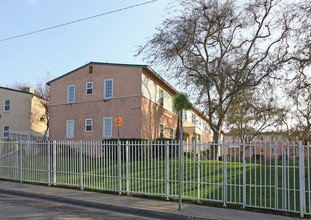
x=110, y=38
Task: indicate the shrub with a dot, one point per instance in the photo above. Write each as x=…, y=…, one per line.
x=135, y=150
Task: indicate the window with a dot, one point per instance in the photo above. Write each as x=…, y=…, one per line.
x=275, y=150
x=161, y=129
x=186, y=115
x=71, y=93
x=205, y=127
x=199, y=138
x=90, y=69
x=161, y=97
x=70, y=129
x=292, y=151
x=193, y=119
x=172, y=133
x=107, y=127
x=89, y=88
x=233, y=139
x=7, y=105
x=248, y=152
x=6, y=131
x=88, y=125
x=274, y=138
x=193, y=139
x=108, y=88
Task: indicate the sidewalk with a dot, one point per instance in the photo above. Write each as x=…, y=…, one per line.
x=126, y=204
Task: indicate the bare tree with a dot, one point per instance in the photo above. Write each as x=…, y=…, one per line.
x=296, y=54
x=298, y=117
x=220, y=48
x=253, y=112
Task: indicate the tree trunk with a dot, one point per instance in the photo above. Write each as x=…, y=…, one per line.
x=214, y=147
x=177, y=128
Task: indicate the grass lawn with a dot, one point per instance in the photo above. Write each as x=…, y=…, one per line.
x=271, y=187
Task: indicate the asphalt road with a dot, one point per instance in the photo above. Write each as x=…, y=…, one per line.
x=18, y=207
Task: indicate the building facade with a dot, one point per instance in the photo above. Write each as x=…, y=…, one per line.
x=21, y=114
x=85, y=102
x=264, y=145
x=257, y=137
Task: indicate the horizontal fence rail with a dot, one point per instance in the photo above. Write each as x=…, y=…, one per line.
x=268, y=175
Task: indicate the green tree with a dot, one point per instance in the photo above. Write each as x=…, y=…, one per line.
x=181, y=102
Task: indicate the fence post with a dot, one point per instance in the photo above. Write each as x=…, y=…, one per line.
x=302, y=180
x=225, y=172
x=49, y=163
x=54, y=162
x=244, y=175
x=166, y=170
x=20, y=161
x=119, y=166
x=81, y=165
x=198, y=152
x=127, y=168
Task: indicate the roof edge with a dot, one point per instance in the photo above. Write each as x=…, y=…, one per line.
x=16, y=90
x=98, y=63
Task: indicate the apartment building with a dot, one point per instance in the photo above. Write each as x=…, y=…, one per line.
x=85, y=102
x=21, y=114
x=264, y=145
x=257, y=137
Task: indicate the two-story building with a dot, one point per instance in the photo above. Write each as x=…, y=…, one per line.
x=256, y=137
x=22, y=114
x=85, y=102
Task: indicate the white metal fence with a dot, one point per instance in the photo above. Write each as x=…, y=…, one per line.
x=22, y=136
x=263, y=175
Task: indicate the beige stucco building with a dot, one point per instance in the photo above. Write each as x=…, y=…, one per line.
x=85, y=101
x=21, y=113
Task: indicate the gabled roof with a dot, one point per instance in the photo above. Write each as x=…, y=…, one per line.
x=97, y=63
x=120, y=65
x=20, y=91
x=15, y=90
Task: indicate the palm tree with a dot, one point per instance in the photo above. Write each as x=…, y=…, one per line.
x=180, y=102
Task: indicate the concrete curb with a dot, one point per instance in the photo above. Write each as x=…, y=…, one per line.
x=110, y=207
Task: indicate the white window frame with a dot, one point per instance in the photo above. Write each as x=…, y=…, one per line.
x=6, y=132
x=67, y=129
x=193, y=119
x=172, y=133
x=105, y=95
x=86, y=124
x=161, y=132
x=4, y=105
x=104, y=127
x=86, y=88
x=74, y=93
